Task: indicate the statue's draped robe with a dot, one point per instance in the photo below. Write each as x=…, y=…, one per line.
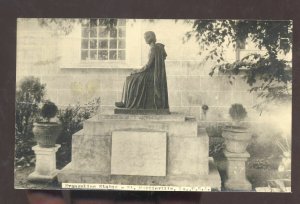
x=148, y=88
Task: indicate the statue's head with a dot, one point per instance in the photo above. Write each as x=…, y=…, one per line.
x=150, y=37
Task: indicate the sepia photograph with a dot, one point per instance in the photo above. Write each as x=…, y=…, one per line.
x=153, y=104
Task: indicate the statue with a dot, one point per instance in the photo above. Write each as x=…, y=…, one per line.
x=146, y=88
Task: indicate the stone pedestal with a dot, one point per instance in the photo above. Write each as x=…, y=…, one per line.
x=133, y=149
x=45, y=165
x=236, y=172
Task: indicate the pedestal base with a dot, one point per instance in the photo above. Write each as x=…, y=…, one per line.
x=45, y=166
x=236, y=172
x=35, y=176
x=154, y=150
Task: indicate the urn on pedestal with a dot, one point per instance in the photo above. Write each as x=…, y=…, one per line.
x=46, y=132
x=237, y=138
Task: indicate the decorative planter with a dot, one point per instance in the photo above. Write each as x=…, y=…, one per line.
x=46, y=134
x=236, y=138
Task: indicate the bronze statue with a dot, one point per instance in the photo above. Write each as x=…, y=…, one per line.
x=146, y=88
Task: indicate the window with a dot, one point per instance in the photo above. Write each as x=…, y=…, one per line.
x=102, y=42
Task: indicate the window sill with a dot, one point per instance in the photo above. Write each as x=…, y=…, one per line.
x=100, y=65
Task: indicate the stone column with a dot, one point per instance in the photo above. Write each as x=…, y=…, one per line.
x=236, y=172
x=45, y=165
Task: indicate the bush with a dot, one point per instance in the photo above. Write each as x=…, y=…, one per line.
x=48, y=110
x=216, y=141
x=29, y=94
x=237, y=112
x=72, y=119
x=214, y=130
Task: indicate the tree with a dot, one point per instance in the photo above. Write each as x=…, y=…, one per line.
x=267, y=74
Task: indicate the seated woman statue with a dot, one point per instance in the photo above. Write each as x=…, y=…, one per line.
x=146, y=88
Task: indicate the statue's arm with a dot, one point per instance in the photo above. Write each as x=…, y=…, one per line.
x=149, y=63
x=150, y=60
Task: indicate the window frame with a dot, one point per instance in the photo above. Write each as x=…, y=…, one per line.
x=107, y=37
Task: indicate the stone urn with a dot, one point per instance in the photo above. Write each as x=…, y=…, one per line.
x=46, y=133
x=237, y=138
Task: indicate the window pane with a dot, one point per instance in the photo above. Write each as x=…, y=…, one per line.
x=113, y=44
x=102, y=22
x=113, y=32
x=85, y=22
x=103, y=32
x=121, y=22
x=93, y=22
x=84, y=44
x=102, y=55
x=93, y=44
x=103, y=44
x=121, y=55
x=93, y=54
x=122, y=32
x=93, y=32
x=121, y=44
x=85, y=32
x=112, y=54
x=84, y=54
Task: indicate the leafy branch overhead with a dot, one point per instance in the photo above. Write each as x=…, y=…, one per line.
x=266, y=73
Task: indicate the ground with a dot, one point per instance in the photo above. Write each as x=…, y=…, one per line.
x=258, y=177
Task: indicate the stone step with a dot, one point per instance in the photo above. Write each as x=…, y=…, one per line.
x=170, y=117
x=71, y=175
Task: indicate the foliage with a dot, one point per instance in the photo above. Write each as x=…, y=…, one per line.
x=72, y=119
x=216, y=141
x=237, y=112
x=65, y=26
x=214, y=130
x=264, y=154
x=29, y=94
x=216, y=149
x=265, y=73
x=48, y=110
x=24, y=155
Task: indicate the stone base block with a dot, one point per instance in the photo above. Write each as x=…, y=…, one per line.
x=213, y=180
x=237, y=185
x=188, y=156
x=45, y=166
x=236, y=172
x=35, y=176
x=91, y=153
x=141, y=150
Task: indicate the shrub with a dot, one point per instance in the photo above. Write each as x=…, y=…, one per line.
x=214, y=130
x=48, y=110
x=29, y=94
x=237, y=112
x=72, y=119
